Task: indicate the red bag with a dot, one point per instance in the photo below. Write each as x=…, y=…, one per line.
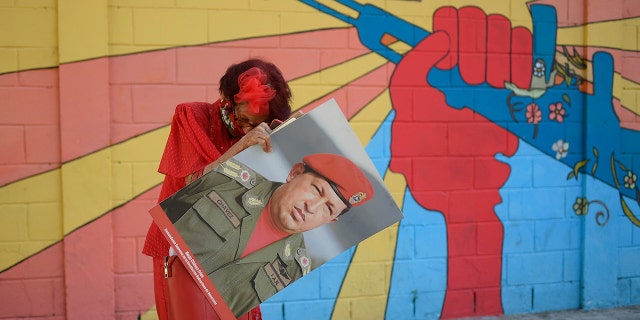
x=185, y=300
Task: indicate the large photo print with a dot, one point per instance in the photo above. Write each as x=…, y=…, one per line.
x=260, y=221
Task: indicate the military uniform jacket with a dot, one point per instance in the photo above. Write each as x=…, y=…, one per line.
x=216, y=216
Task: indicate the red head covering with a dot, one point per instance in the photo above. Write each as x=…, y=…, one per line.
x=349, y=182
x=255, y=91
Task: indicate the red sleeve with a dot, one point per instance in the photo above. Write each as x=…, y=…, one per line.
x=189, y=147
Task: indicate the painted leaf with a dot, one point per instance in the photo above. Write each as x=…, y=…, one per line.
x=627, y=211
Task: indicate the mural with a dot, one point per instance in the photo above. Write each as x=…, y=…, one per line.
x=507, y=132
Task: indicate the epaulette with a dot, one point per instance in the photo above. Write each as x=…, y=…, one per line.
x=238, y=172
x=294, y=249
x=303, y=260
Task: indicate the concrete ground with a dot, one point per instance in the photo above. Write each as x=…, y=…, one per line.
x=623, y=313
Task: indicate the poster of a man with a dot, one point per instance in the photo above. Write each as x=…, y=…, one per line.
x=260, y=221
x=235, y=210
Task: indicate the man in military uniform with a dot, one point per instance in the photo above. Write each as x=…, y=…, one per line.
x=246, y=230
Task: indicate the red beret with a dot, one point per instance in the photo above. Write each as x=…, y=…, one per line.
x=349, y=182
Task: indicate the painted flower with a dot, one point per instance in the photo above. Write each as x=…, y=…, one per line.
x=630, y=180
x=538, y=69
x=561, y=148
x=581, y=206
x=534, y=115
x=556, y=112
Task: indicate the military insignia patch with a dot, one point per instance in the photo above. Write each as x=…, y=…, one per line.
x=238, y=172
x=287, y=251
x=254, y=202
x=244, y=175
x=357, y=197
x=303, y=260
x=229, y=173
x=277, y=273
x=232, y=164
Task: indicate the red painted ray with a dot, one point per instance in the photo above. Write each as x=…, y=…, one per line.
x=628, y=119
x=572, y=13
x=140, y=90
x=355, y=96
x=30, y=124
x=36, y=286
x=95, y=267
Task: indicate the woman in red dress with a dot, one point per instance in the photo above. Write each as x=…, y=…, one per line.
x=253, y=94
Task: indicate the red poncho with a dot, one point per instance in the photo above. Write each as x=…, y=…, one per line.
x=198, y=137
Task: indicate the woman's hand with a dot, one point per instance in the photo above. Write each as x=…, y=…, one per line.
x=259, y=135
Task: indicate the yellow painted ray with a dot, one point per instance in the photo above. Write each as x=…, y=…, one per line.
x=321, y=83
x=606, y=34
x=622, y=87
x=108, y=27
x=69, y=197
x=53, y=37
x=367, y=122
x=369, y=273
x=420, y=13
x=151, y=314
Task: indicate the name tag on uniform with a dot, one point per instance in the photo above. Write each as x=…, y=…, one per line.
x=224, y=207
x=277, y=273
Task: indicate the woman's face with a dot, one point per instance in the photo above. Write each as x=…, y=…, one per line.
x=245, y=120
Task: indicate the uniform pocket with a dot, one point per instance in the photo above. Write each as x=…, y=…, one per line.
x=263, y=283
